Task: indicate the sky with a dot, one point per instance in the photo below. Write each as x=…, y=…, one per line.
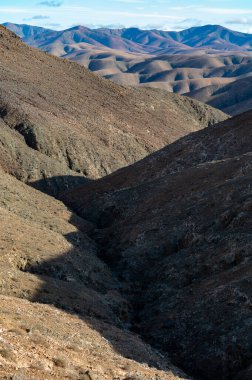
x=145, y=14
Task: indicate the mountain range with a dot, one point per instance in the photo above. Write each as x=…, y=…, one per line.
x=207, y=63
x=134, y=40
x=125, y=233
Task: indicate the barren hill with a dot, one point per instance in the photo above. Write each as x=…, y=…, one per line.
x=47, y=258
x=65, y=120
x=233, y=98
x=201, y=62
x=175, y=228
x=149, y=278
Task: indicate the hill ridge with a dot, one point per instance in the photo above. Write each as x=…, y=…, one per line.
x=197, y=62
x=174, y=228
x=90, y=127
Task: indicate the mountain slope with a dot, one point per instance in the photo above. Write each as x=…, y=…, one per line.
x=28, y=165
x=175, y=228
x=215, y=37
x=70, y=119
x=160, y=251
x=43, y=343
x=232, y=98
x=195, y=62
x=130, y=40
x=47, y=258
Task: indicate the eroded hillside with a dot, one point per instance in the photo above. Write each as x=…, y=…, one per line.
x=63, y=119
x=47, y=257
x=209, y=63
x=139, y=271
x=175, y=228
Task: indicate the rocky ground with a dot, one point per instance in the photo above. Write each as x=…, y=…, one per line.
x=175, y=228
x=82, y=333
x=40, y=342
x=59, y=120
x=209, y=63
x=144, y=269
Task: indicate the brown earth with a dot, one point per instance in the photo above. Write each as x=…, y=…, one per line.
x=210, y=63
x=233, y=98
x=40, y=342
x=175, y=228
x=159, y=251
x=58, y=118
x=46, y=256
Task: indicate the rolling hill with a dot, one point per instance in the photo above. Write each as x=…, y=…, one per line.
x=200, y=62
x=232, y=98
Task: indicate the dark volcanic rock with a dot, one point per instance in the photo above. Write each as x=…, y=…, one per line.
x=47, y=257
x=176, y=229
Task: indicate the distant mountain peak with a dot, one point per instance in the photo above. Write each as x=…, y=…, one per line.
x=197, y=61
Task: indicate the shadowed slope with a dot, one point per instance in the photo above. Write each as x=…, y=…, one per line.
x=176, y=227
x=47, y=257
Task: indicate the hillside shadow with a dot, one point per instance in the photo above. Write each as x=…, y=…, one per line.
x=57, y=185
x=70, y=285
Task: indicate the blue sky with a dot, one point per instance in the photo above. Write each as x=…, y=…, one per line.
x=160, y=14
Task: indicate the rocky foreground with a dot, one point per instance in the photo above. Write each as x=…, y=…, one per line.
x=144, y=274
x=47, y=257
